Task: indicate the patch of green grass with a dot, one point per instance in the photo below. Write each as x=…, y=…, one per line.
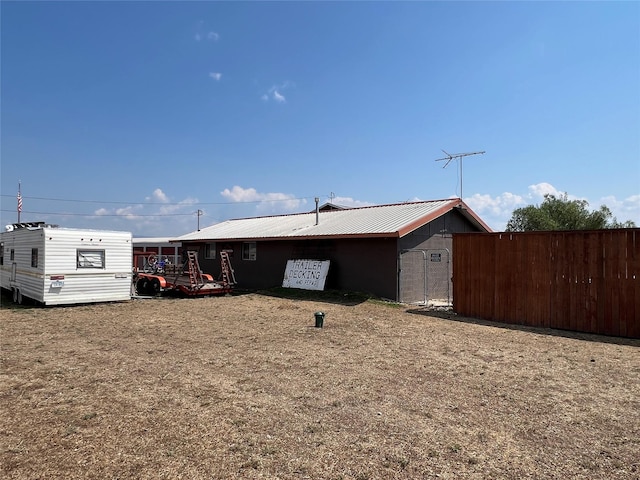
x=331, y=296
x=341, y=297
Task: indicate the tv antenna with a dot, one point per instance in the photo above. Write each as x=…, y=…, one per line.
x=457, y=156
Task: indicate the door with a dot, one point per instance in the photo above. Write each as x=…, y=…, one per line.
x=413, y=277
x=425, y=277
x=439, y=287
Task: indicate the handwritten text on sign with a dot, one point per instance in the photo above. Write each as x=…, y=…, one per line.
x=306, y=274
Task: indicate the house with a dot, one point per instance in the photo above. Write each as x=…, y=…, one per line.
x=400, y=251
x=161, y=247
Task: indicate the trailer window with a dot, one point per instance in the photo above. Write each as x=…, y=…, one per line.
x=1, y=253
x=249, y=251
x=209, y=251
x=34, y=257
x=90, y=258
x=12, y=255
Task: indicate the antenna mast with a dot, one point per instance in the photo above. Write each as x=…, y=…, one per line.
x=457, y=156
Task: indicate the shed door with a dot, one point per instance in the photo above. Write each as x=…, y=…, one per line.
x=439, y=287
x=425, y=276
x=413, y=276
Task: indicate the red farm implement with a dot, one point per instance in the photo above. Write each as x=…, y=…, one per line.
x=156, y=277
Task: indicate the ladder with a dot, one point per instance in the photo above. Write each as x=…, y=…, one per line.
x=227, y=274
x=195, y=275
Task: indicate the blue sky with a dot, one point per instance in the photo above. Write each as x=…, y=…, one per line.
x=136, y=115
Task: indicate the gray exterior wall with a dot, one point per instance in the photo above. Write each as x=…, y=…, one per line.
x=364, y=264
x=437, y=234
x=368, y=265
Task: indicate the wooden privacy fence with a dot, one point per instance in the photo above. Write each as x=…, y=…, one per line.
x=584, y=281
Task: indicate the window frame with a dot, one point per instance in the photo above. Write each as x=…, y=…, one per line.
x=90, y=252
x=34, y=258
x=249, y=251
x=208, y=248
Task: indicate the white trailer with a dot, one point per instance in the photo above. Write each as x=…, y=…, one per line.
x=65, y=266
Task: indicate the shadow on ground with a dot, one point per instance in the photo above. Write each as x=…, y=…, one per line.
x=447, y=313
x=327, y=296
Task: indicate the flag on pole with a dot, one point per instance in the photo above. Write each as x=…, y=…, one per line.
x=19, y=200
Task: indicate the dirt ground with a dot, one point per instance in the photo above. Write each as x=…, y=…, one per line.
x=246, y=387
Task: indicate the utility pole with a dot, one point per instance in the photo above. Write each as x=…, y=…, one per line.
x=457, y=156
x=199, y=212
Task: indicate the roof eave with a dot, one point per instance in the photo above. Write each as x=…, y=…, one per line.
x=427, y=218
x=472, y=217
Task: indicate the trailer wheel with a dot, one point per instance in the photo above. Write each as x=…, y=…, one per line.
x=141, y=286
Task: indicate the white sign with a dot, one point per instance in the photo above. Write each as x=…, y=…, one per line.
x=306, y=274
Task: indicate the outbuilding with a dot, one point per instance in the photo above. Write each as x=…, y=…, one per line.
x=400, y=251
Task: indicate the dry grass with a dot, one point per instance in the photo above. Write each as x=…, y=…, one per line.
x=246, y=387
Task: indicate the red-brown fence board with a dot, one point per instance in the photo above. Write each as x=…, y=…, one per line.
x=575, y=280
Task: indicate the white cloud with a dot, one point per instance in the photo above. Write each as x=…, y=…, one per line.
x=542, y=189
x=625, y=209
x=539, y=190
x=158, y=214
x=275, y=92
x=159, y=196
x=101, y=211
x=179, y=207
x=274, y=202
x=202, y=34
x=503, y=204
x=215, y=75
x=349, y=202
x=128, y=212
x=239, y=194
x=496, y=211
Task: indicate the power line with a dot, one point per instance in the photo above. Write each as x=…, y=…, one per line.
x=159, y=203
x=63, y=214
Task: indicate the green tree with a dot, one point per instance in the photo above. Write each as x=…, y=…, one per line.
x=560, y=213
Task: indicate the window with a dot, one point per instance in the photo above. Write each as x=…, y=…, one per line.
x=249, y=251
x=34, y=257
x=12, y=255
x=90, y=258
x=1, y=253
x=209, y=251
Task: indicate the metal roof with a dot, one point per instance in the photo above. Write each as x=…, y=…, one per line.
x=394, y=220
x=152, y=240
